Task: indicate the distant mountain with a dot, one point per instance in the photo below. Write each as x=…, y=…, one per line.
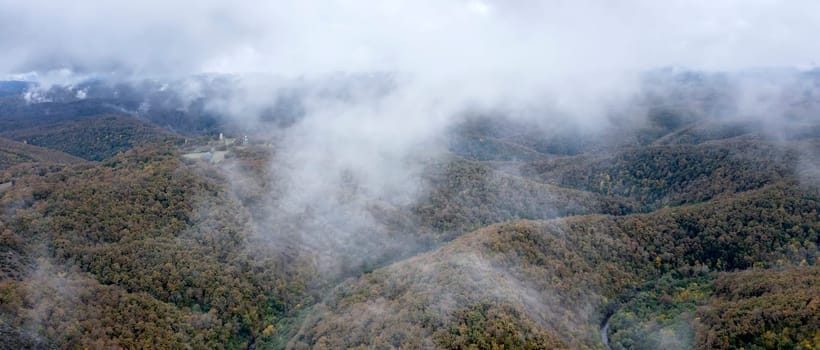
x=14, y=87
x=31, y=106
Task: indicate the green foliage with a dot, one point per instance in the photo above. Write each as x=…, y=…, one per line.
x=661, y=314
x=93, y=138
x=763, y=309
x=659, y=176
x=13, y=153
x=485, y=326
x=755, y=228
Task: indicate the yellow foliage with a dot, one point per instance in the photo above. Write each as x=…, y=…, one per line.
x=269, y=330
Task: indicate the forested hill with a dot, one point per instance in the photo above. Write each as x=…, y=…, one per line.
x=545, y=284
x=92, y=138
x=13, y=153
x=119, y=254
x=117, y=233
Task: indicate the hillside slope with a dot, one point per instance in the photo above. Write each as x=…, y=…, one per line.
x=13, y=153
x=92, y=138
x=137, y=251
x=518, y=240
x=549, y=281
x=658, y=176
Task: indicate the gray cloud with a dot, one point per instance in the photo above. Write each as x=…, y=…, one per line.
x=454, y=38
x=574, y=58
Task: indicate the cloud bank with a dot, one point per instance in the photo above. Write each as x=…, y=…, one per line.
x=449, y=38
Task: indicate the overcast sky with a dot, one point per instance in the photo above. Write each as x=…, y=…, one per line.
x=441, y=38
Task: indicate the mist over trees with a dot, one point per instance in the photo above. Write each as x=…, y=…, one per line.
x=429, y=174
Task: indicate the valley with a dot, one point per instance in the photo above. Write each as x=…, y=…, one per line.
x=118, y=233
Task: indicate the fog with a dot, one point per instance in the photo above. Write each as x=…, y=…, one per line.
x=361, y=92
x=375, y=84
x=357, y=98
x=491, y=41
x=574, y=58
